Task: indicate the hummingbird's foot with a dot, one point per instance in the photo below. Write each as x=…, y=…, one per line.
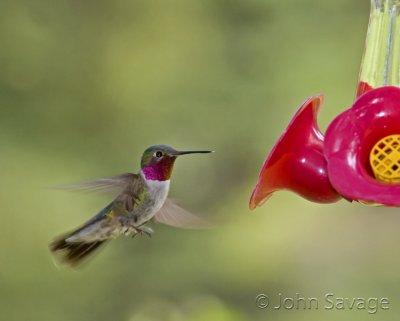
x=129, y=231
x=143, y=230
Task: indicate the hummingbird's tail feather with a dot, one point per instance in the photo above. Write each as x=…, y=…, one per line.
x=74, y=247
x=73, y=253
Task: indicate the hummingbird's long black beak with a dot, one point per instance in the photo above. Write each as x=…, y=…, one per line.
x=193, y=152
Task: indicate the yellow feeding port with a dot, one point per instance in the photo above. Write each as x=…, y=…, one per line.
x=385, y=159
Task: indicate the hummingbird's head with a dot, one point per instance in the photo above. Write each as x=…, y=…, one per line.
x=158, y=161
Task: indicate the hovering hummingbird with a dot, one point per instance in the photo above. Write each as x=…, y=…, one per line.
x=143, y=198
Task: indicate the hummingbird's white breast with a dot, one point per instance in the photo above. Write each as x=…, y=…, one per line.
x=157, y=194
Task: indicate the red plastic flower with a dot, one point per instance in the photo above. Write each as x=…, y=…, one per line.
x=297, y=162
x=350, y=139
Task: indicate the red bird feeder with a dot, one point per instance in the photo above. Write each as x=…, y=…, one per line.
x=359, y=158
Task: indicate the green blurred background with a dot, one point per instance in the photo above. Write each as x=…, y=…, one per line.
x=86, y=86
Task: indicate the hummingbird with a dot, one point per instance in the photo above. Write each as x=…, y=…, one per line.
x=143, y=197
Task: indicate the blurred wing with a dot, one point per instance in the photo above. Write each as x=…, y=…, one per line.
x=173, y=215
x=114, y=183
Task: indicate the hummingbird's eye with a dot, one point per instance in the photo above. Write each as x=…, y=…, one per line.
x=158, y=154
